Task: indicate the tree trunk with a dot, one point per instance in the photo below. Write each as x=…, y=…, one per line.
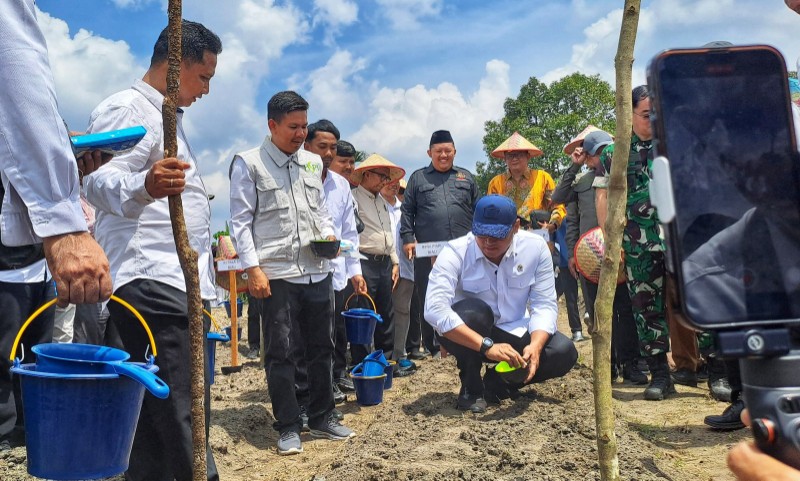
x=615, y=222
x=187, y=256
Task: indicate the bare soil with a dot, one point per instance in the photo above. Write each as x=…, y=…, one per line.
x=417, y=433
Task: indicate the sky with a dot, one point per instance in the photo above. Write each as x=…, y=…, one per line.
x=387, y=72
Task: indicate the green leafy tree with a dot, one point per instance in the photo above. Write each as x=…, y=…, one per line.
x=548, y=116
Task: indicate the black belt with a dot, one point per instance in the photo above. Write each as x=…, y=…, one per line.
x=376, y=257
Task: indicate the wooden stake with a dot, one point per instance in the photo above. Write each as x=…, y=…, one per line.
x=188, y=257
x=234, y=297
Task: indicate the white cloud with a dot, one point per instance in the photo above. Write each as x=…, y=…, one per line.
x=86, y=68
x=333, y=15
x=405, y=14
x=680, y=23
x=335, y=90
x=400, y=121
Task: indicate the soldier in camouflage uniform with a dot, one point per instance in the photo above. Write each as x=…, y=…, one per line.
x=643, y=245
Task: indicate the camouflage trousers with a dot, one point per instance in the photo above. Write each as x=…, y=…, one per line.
x=645, y=270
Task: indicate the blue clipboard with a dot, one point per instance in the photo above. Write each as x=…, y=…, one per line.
x=114, y=142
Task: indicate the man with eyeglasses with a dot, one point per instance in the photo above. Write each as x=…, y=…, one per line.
x=530, y=189
x=438, y=206
x=643, y=245
x=380, y=265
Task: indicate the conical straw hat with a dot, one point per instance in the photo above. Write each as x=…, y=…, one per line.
x=516, y=143
x=375, y=161
x=589, y=252
x=576, y=141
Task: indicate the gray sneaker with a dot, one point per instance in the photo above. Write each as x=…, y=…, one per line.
x=289, y=443
x=332, y=429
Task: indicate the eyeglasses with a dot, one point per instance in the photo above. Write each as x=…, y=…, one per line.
x=383, y=177
x=645, y=115
x=516, y=155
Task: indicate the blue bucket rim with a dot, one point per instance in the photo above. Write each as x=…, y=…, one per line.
x=356, y=376
x=217, y=336
x=30, y=370
x=37, y=349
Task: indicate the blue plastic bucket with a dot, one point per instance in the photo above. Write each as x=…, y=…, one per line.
x=369, y=389
x=389, y=370
x=212, y=338
x=377, y=355
x=360, y=325
x=369, y=367
x=239, y=307
x=79, y=426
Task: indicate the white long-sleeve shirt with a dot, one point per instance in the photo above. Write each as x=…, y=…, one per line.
x=42, y=197
x=340, y=204
x=523, y=279
x=133, y=228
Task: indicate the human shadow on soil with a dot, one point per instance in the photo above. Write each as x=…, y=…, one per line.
x=650, y=465
x=684, y=436
x=630, y=393
x=442, y=403
x=251, y=423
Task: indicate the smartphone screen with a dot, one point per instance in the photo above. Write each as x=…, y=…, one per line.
x=722, y=118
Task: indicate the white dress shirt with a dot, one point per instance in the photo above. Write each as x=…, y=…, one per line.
x=523, y=278
x=36, y=158
x=133, y=228
x=340, y=204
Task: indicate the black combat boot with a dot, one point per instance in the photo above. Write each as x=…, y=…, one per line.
x=660, y=381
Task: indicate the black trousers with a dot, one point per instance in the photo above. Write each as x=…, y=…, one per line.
x=297, y=320
x=339, y=335
x=422, y=271
x=414, y=337
x=568, y=286
x=624, y=339
x=378, y=275
x=162, y=446
x=253, y=323
x=17, y=303
x=556, y=359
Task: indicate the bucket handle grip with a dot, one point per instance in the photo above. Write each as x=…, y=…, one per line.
x=53, y=301
x=213, y=321
x=347, y=302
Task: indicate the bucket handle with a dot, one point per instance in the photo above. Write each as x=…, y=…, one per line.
x=213, y=321
x=347, y=302
x=53, y=301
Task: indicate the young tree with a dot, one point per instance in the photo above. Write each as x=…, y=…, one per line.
x=615, y=222
x=548, y=116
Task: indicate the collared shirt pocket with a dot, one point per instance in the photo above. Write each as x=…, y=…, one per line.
x=427, y=193
x=461, y=190
x=475, y=286
x=273, y=203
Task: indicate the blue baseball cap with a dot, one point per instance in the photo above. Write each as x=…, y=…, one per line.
x=494, y=216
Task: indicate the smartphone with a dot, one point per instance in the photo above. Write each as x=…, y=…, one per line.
x=114, y=142
x=725, y=147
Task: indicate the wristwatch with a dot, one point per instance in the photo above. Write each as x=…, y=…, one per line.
x=486, y=344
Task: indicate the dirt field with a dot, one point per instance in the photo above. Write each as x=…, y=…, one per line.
x=417, y=434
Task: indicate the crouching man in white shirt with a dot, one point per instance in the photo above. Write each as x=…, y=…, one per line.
x=480, y=292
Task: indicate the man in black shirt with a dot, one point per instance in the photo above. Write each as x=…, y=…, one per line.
x=438, y=206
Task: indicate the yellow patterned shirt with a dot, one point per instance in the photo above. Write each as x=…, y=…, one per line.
x=532, y=192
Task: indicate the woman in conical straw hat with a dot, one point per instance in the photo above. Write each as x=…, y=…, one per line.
x=530, y=189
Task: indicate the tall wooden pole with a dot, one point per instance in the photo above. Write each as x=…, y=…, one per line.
x=615, y=223
x=187, y=256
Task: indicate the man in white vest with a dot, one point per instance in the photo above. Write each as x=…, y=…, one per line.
x=277, y=209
